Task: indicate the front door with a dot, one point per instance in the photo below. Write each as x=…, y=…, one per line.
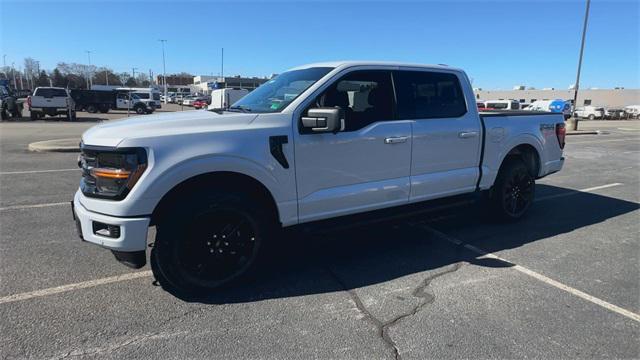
x=364, y=166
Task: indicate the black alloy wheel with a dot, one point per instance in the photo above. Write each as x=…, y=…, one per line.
x=220, y=245
x=514, y=190
x=518, y=193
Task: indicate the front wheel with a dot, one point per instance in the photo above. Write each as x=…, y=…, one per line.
x=217, y=242
x=592, y=117
x=140, y=110
x=513, y=191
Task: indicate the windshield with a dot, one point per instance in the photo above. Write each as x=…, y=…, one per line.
x=277, y=93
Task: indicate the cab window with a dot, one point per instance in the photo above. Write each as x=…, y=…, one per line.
x=426, y=95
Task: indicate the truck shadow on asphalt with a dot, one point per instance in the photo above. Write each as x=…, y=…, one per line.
x=305, y=264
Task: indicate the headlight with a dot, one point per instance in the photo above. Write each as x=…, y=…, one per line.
x=110, y=172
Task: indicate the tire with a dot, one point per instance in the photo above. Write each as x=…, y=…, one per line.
x=34, y=115
x=140, y=109
x=513, y=192
x=190, y=255
x=92, y=109
x=591, y=117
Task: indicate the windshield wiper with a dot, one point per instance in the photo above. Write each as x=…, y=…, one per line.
x=239, y=107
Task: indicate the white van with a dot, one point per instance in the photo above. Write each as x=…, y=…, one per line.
x=589, y=112
x=223, y=98
x=554, y=106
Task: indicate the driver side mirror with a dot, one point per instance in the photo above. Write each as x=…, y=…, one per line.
x=323, y=119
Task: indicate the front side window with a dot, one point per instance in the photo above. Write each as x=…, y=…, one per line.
x=277, y=93
x=365, y=96
x=142, y=95
x=426, y=95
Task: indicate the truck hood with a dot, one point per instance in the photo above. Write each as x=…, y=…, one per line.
x=113, y=133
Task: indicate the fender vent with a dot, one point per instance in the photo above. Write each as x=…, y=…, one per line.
x=275, y=146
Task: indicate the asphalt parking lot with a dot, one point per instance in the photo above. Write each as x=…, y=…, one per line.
x=562, y=283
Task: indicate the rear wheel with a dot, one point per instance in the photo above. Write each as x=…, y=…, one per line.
x=92, y=109
x=214, y=244
x=513, y=191
x=140, y=109
x=592, y=117
x=34, y=115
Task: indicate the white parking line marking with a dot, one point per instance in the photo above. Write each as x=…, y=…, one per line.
x=34, y=206
x=575, y=192
x=76, y=286
x=538, y=276
x=599, y=141
x=36, y=171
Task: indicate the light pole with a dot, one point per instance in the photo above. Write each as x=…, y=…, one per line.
x=584, y=34
x=133, y=73
x=164, y=71
x=90, y=75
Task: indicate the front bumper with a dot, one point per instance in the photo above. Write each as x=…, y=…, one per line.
x=133, y=230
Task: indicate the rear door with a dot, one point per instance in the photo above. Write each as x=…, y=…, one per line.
x=364, y=166
x=446, y=132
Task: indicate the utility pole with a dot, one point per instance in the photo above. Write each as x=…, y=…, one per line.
x=222, y=66
x=133, y=73
x=164, y=71
x=90, y=80
x=150, y=78
x=577, y=86
x=13, y=72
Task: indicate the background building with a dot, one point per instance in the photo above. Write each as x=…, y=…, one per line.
x=597, y=97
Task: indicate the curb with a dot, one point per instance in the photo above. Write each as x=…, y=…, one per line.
x=59, y=145
x=584, y=132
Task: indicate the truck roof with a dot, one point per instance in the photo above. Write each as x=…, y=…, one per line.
x=344, y=64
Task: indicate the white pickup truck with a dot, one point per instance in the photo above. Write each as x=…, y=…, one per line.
x=51, y=101
x=321, y=141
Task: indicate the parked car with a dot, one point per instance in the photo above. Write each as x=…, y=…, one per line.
x=614, y=114
x=218, y=186
x=632, y=111
x=589, y=112
x=51, y=101
x=200, y=103
x=188, y=100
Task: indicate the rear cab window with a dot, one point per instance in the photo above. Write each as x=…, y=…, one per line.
x=49, y=93
x=428, y=95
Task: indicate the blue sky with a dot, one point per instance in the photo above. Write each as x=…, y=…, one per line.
x=499, y=43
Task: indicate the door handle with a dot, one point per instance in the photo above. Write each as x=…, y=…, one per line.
x=467, y=134
x=396, y=140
